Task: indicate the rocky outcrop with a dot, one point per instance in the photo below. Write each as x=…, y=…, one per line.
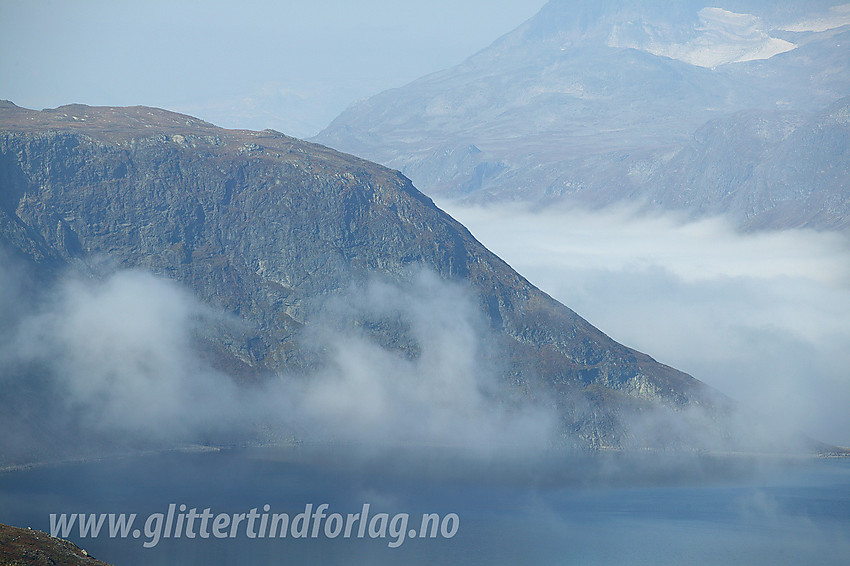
x=26, y=547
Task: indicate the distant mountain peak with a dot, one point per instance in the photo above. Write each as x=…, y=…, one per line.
x=696, y=32
x=565, y=105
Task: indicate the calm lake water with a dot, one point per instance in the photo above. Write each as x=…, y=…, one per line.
x=607, y=509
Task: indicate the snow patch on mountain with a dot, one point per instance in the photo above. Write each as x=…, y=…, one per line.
x=722, y=37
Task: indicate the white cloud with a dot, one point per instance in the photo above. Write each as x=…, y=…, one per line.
x=443, y=390
x=761, y=317
x=121, y=355
x=116, y=359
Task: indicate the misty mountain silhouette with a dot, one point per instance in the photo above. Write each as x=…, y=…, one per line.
x=587, y=101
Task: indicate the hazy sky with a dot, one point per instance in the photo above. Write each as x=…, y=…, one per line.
x=291, y=65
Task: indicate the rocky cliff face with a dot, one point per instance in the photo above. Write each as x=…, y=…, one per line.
x=258, y=224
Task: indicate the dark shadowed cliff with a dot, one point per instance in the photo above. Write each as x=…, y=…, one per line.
x=260, y=225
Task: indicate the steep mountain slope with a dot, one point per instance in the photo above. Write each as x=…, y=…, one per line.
x=771, y=170
x=584, y=98
x=259, y=225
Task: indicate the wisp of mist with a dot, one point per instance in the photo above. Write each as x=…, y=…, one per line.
x=760, y=316
x=114, y=359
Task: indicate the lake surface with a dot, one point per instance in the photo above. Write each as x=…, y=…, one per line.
x=606, y=509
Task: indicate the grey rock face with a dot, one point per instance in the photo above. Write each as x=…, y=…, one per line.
x=766, y=169
x=258, y=224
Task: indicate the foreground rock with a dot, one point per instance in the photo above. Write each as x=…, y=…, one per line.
x=26, y=547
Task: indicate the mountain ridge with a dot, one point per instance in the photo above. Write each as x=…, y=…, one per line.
x=257, y=224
